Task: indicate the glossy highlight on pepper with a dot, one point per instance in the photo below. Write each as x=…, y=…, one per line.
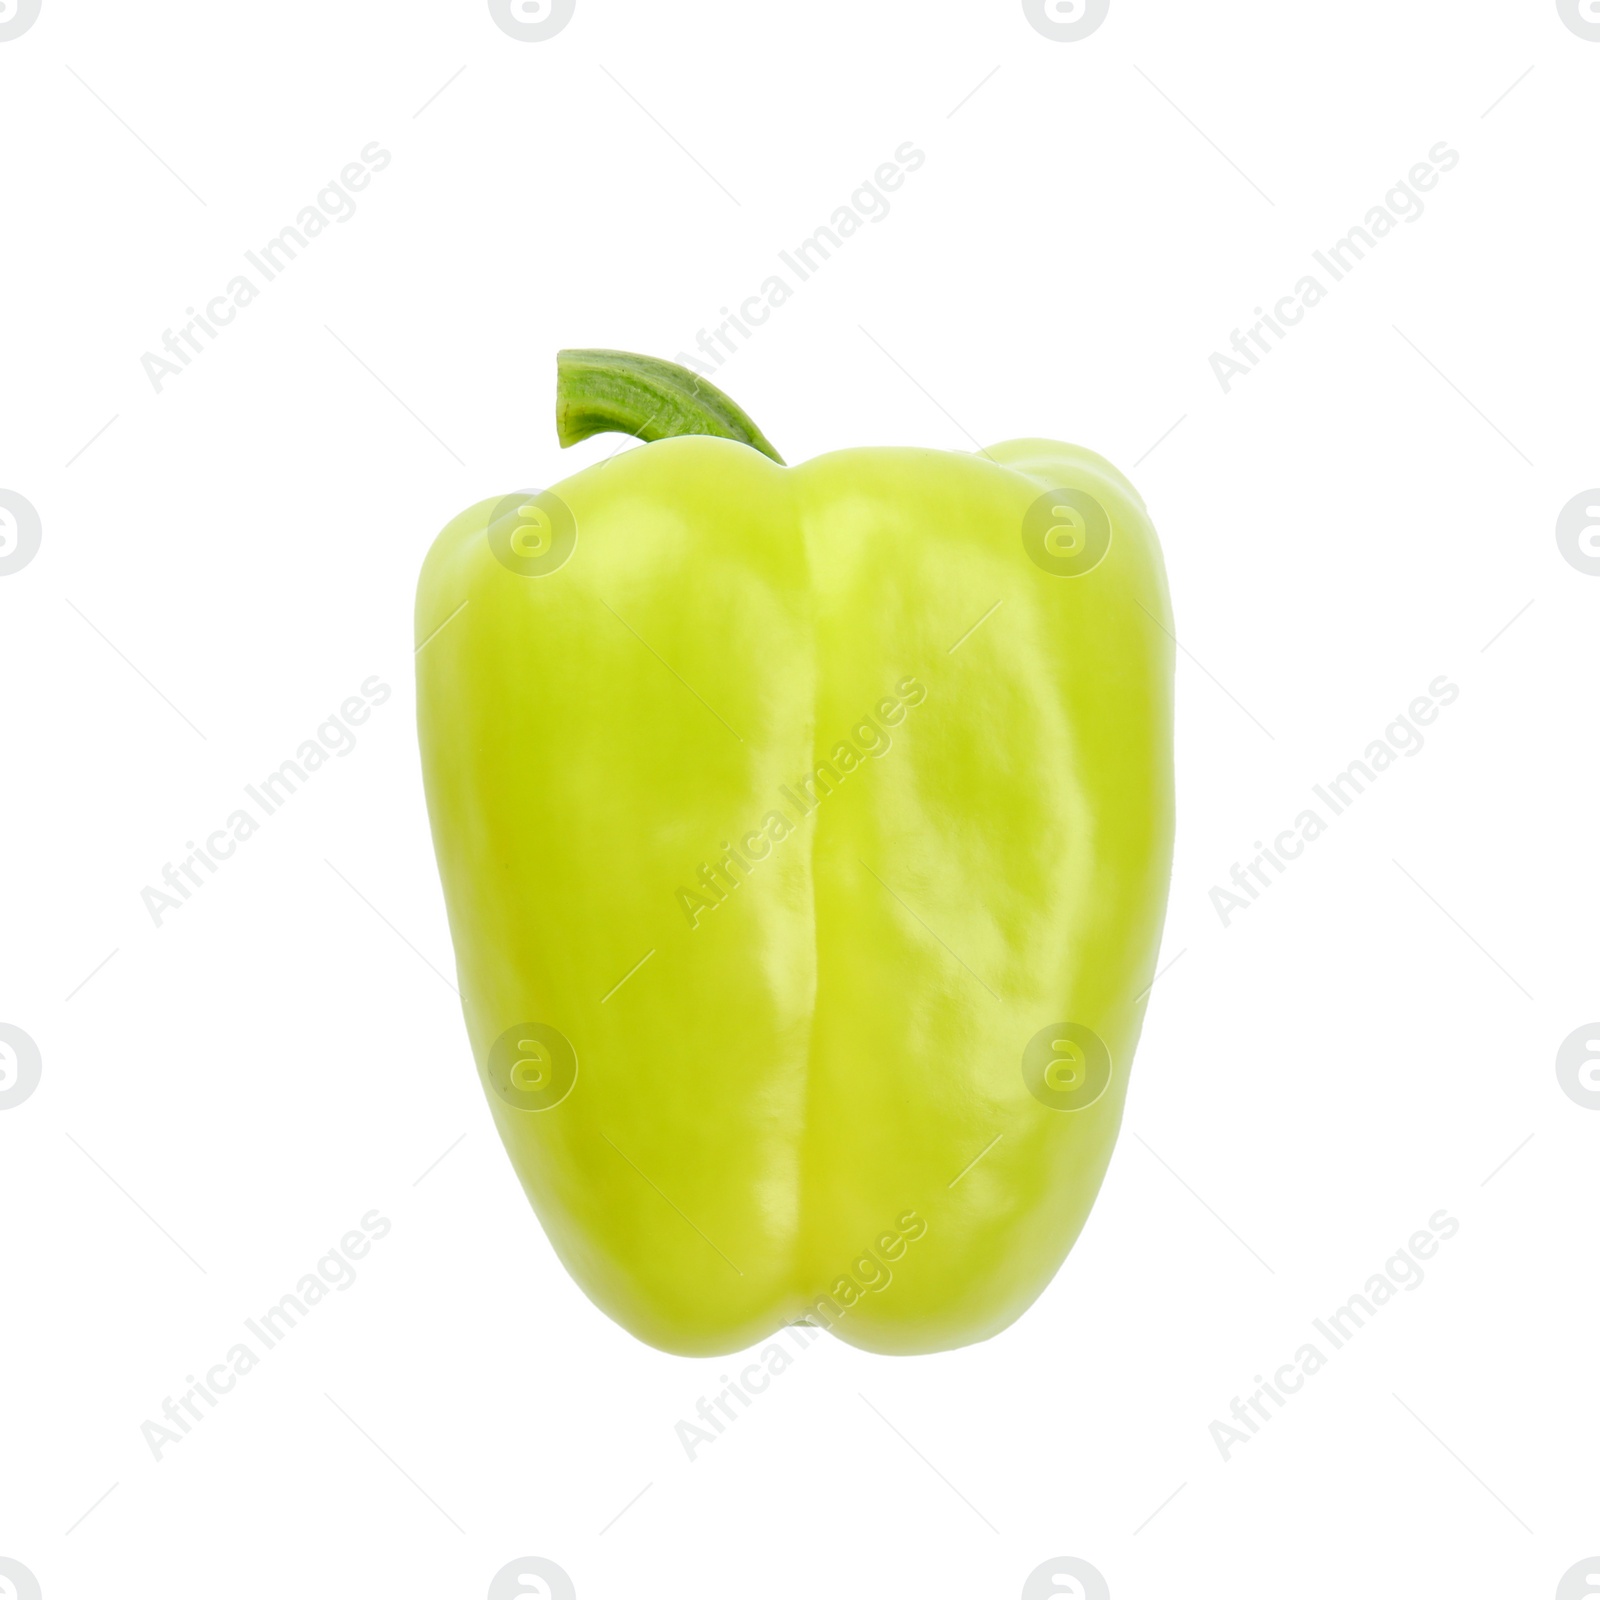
x=805, y=835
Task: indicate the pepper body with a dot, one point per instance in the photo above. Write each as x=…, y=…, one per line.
x=805, y=836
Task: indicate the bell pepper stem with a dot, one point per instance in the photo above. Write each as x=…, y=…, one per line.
x=610, y=391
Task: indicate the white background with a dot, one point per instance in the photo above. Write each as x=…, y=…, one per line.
x=224, y=1096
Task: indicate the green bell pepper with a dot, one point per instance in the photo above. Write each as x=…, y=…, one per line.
x=805, y=836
